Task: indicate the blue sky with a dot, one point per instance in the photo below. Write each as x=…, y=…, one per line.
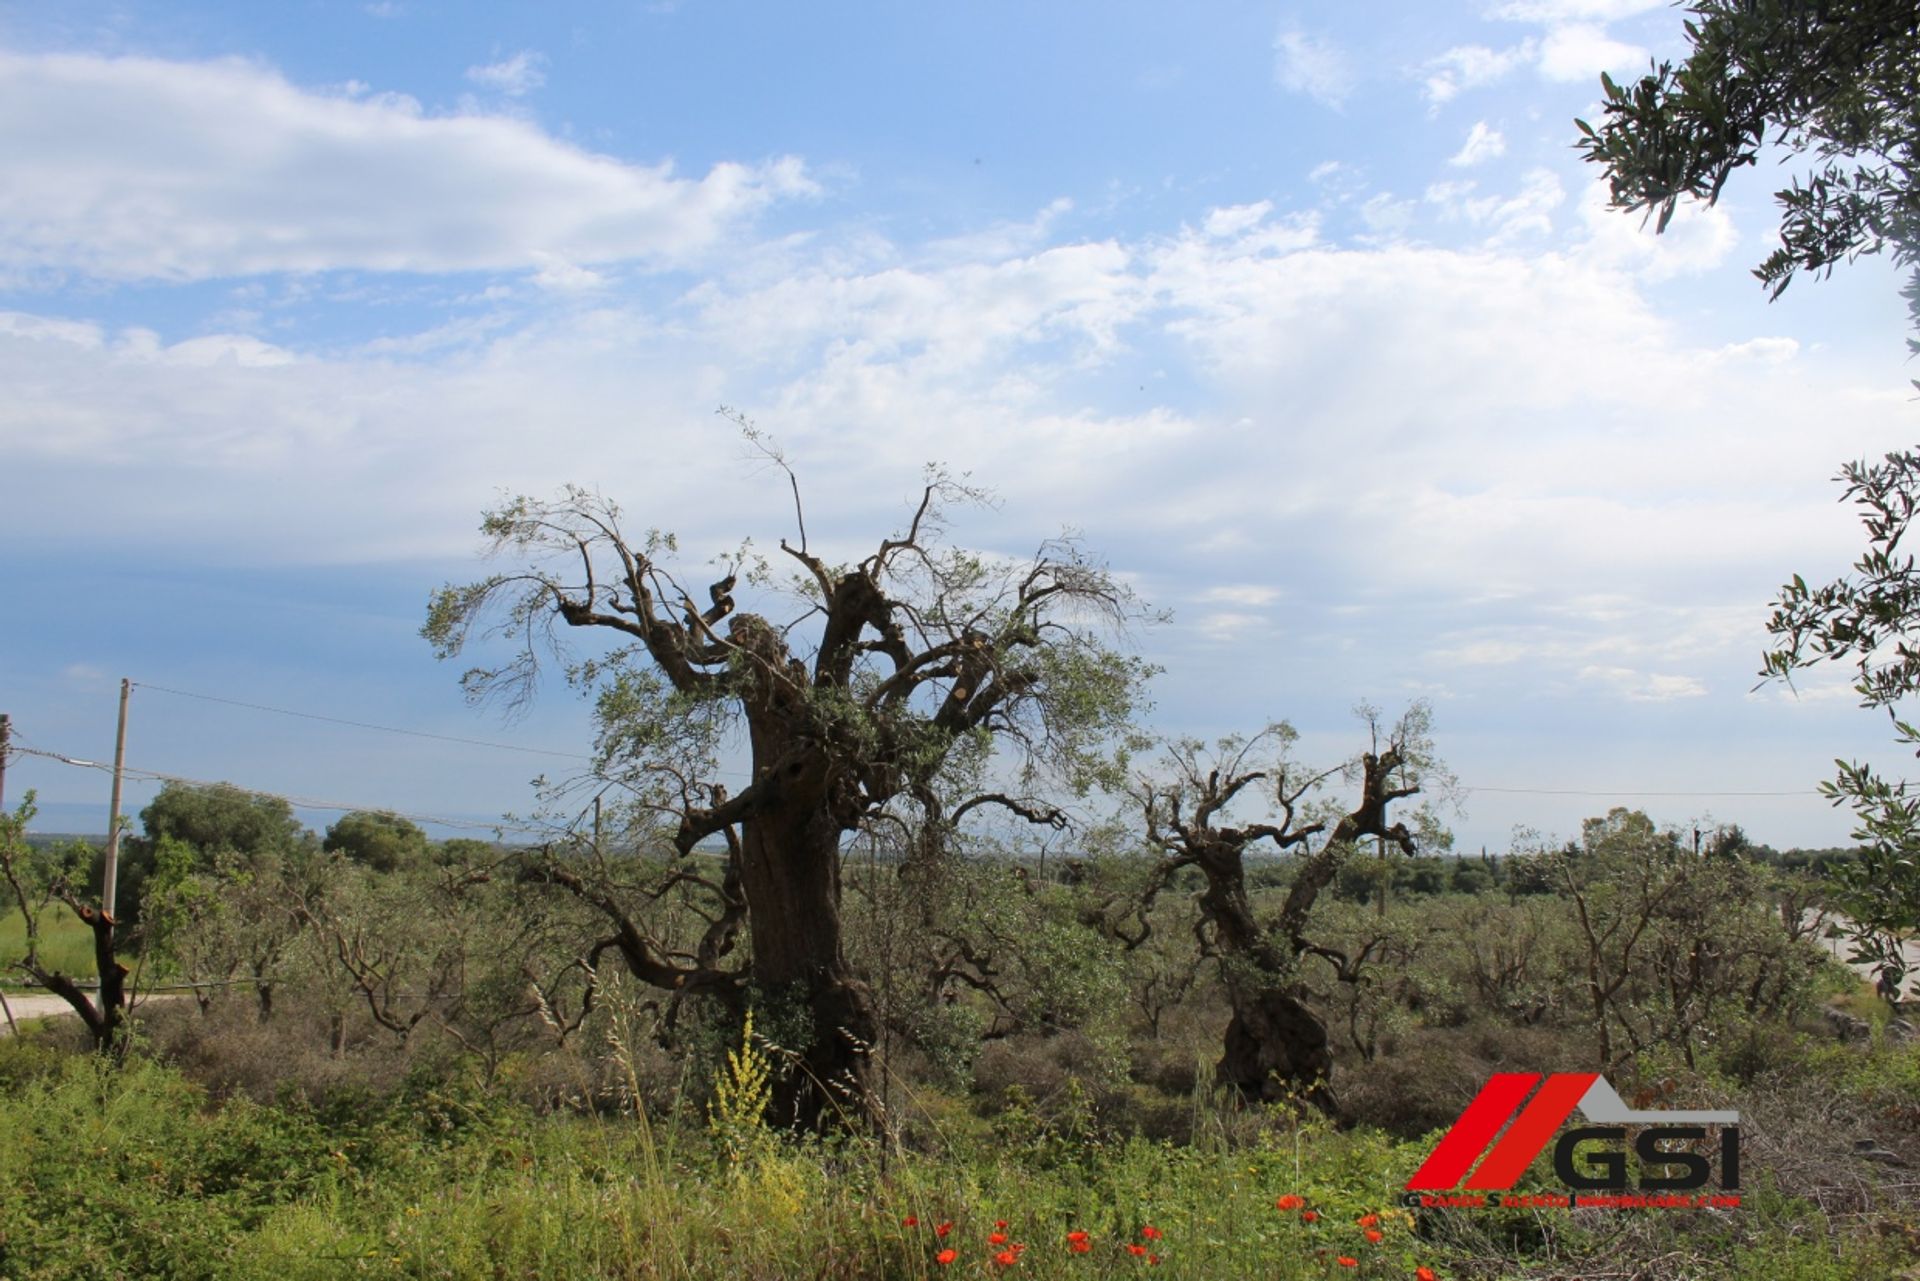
x=1307, y=317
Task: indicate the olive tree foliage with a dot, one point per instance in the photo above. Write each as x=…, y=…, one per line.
x=448, y=950
x=1005, y=950
x=919, y=683
x=1209, y=808
x=220, y=875
x=1869, y=619
x=1674, y=949
x=385, y=842
x=1836, y=80
x=225, y=921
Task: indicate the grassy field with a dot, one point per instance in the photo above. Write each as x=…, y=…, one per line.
x=447, y=1182
x=65, y=944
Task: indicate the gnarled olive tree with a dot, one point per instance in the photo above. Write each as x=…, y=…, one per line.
x=891, y=680
x=1275, y=1042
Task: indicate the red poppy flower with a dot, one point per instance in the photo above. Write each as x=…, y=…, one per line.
x=1000, y=1224
x=996, y=1238
x=1368, y=1220
x=946, y=1256
x=1291, y=1201
x=1006, y=1258
x=909, y=1222
x=1425, y=1273
x=1373, y=1235
x=941, y=1229
x=1150, y=1232
x=1309, y=1216
x=1347, y=1261
x=1136, y=1250
x=1153, y=1260
x=1080, y=1247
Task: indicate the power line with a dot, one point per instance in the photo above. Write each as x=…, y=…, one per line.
x=299, y=802
x=1563, y=791
x=576, y=756
x=384, y=729
x=389, y=729
x=1601, y=793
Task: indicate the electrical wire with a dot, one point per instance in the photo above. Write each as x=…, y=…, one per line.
x=1563, y=791
x=299, y=802
x=544, y=751
x=17, y=747
x=384, y=729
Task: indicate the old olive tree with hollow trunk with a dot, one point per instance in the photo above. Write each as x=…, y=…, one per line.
x=1275, y=1044
x=916, y=678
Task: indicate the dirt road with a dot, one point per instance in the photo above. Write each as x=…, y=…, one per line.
x=1839, y=947
x=40, y=1006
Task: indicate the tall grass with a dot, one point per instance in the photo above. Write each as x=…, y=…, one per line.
x=66, y=944
x=129, y=1172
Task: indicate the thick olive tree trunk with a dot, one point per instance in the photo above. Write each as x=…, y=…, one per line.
x=1275, y=1047
x=790, y=872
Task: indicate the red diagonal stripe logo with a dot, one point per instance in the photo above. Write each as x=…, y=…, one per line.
x=1527, y=1135
x=1468, y=1137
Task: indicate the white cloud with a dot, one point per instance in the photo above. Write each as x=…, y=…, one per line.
x=1699, y=238
x=1470, y=66
x=1557, y=12
x=557, y=273
x=1508, y=449
x=1313, y=66
x=1223, y=627
x=1004, y=239
x=1644, y=687
x=1482, y=144
x=1251, y=595
x=1772, y=351
x=1232, y=220
x=516, y=76
x=135, y=168
x=1581, y=51
x=1527, y=212
x=1387, y=215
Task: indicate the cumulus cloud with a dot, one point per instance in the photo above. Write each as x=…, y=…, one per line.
x=1470, y=66
x=1250, y=595
x=1505, y=451
x=1699, y=238
x=1232, y=220
x=1314, y=66
x=516, y=76
x=1482, y=144
x=1528, y=211
x=1387, y=215
x=1581, y=51
x=1644, y=687
x=1558, y=12
x=142, y=169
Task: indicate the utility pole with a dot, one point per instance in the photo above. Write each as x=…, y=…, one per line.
x=6, y=738
x=110, y=881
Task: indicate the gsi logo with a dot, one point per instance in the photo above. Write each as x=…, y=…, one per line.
x=1607, y=1116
